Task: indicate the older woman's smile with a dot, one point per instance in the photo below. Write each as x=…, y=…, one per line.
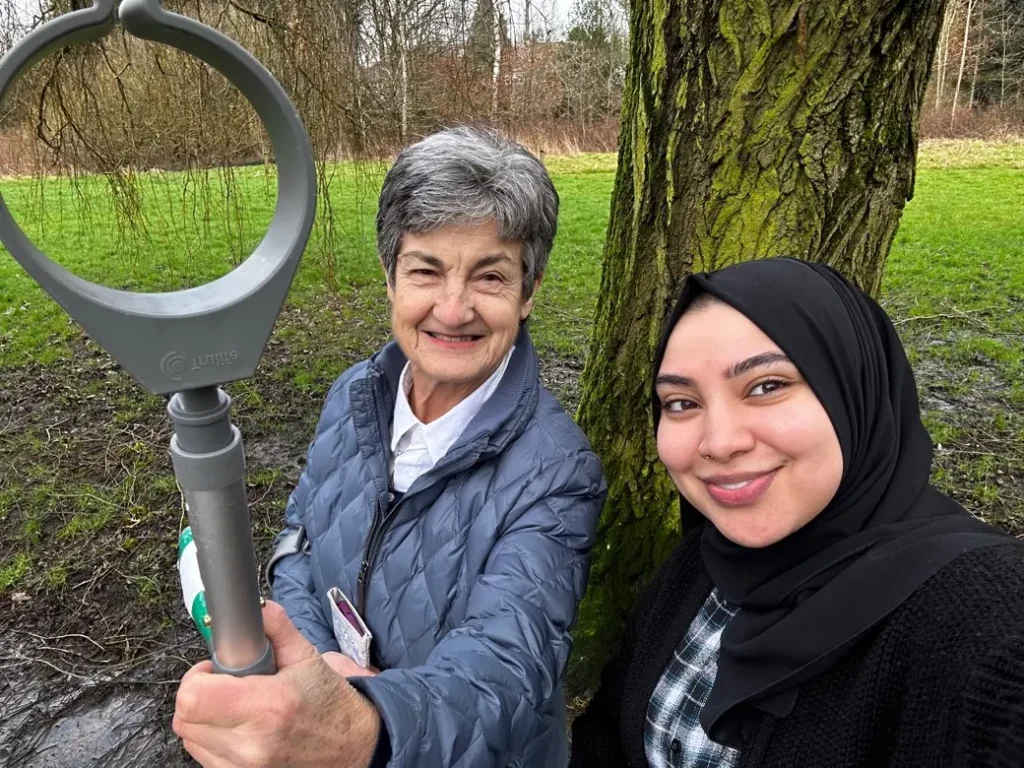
x=453, y=341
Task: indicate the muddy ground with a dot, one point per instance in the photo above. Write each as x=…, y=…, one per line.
x=93, y=636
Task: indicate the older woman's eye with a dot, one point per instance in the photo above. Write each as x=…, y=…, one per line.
x=768, y=387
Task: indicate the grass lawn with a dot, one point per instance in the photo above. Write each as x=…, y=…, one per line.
x=170, y=240
x=89, y=511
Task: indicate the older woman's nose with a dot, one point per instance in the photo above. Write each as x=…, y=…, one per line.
x=454, y=307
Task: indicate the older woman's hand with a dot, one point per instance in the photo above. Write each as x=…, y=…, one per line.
x=306, y=714
x=346, y=667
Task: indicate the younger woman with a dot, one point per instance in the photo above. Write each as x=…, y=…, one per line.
x=826, y=606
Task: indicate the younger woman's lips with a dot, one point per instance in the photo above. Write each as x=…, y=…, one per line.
x=743, y=496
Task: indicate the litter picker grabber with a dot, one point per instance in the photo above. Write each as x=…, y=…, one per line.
x=187, y=343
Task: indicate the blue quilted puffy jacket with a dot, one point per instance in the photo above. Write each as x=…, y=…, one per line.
x=470, y=583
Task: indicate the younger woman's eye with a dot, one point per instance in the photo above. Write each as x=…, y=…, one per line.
x=768, y=387
x=678, y=406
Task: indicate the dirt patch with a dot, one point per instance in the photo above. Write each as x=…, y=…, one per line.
x=93, y=636
x=973, y=406
x=86, y=712
x=561, y=375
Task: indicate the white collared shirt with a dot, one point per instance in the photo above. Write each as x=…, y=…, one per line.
x=416, y=447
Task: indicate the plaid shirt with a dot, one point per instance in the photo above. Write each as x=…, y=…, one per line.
x=673, y=737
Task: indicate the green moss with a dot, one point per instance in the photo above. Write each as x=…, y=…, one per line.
x=93, y=511
x=659, y=56
x=56, y=577
x=986, y=493
x=942, y=432
x=13, y=571
x=148, y=590
x=163, y=484
x=1017, y=394
x=267, y=476
x=728, y=31
x=85, y=524
x=32, y=530
x=8, y=501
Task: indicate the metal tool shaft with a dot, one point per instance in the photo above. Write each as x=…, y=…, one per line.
x=210, y=466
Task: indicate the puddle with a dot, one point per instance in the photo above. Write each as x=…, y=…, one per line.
x=122, y=730
x=54, y=721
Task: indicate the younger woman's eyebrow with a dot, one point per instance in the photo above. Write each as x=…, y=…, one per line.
x=673, y=380
x=757, y=361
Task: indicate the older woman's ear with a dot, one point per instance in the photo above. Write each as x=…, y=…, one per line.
x=388, y=282
x=527, y=308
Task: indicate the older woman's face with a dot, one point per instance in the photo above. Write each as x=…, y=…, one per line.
x=457, y=301
x=742, y=434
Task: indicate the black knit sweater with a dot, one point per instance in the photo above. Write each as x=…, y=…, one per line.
x=938, y=683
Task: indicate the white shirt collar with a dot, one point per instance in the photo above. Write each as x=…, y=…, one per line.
x=440, y=434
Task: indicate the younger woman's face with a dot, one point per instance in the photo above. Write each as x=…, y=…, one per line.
x=741, y=433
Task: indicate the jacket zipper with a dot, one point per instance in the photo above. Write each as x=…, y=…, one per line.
x=373, y=544
x=379, y=527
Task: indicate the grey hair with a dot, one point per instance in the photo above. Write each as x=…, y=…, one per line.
x=466, y=176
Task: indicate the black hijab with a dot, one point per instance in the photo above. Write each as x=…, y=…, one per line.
x=805, y=600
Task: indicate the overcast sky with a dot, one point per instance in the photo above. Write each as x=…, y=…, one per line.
x=20, y=8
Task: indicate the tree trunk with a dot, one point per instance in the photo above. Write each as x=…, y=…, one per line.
x=749, y=130
x=1002, y=63
x=403, y=53
x=942, y=51
x=978, y=49
x=496, y=63
x=352, y=22
x=963, y=58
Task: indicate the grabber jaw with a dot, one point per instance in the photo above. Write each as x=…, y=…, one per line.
x=213, y=333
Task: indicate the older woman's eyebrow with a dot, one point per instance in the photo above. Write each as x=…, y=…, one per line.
x=491, y=260
x=757, y=361
x=427, y=258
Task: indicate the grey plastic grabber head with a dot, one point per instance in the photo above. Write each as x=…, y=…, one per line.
x=216, y=332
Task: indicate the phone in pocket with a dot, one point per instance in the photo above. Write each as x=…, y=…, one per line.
x=350, y=630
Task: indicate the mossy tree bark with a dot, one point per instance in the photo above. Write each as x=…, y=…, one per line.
x=750, y=129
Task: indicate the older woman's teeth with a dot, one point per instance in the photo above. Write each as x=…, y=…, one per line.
x=442, y=337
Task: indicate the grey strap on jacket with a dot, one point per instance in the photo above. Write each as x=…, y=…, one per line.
x=291, y=543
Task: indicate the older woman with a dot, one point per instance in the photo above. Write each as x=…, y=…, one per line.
x=447, y=494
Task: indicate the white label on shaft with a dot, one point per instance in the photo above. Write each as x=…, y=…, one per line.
x=191, y=581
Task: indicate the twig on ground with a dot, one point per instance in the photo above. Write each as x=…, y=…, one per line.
x=962, y=314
